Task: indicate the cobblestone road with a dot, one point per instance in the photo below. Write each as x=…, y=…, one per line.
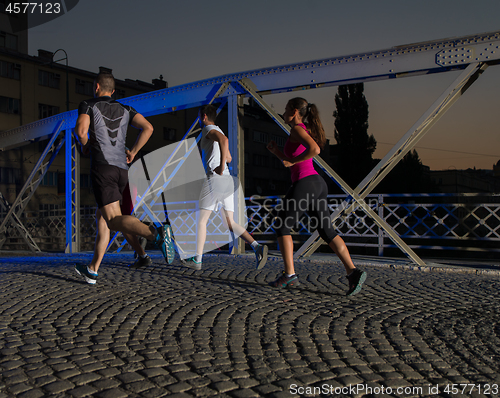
x=169, y=331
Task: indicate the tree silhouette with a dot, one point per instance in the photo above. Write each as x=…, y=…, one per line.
x=354, y=146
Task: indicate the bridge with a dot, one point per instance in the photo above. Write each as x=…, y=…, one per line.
x=471, y=55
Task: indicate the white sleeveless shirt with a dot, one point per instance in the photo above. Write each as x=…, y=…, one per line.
x=210, y=150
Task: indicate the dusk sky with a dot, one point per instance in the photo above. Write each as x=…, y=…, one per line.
x=191, y=40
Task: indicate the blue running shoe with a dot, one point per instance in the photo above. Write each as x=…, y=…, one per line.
x=83, y=270
x=163, y=241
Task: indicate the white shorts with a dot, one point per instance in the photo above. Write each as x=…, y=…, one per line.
x=218, y=190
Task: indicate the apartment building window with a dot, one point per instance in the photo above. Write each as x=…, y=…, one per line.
x=50, y=179
x=45, y=110
x=10, y=175
x=10, y=70
x=169, y=134
x=260, y=136
x=47, y=210
x=10, y=105
x=8, y=40
x=280, y=141
x=49, y=79
x=260, y=160
x=84, y=87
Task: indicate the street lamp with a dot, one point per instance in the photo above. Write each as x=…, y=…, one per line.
x=67, y=77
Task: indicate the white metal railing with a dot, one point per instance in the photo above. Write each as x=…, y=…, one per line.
x=424, y=221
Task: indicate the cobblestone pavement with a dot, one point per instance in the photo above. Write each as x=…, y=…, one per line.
x=222, y=331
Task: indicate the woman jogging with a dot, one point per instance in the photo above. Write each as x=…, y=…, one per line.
x=308, y=192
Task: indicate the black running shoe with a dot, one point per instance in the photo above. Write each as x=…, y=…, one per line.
x=143, y=242
x=285, y=281
x=261, y=256
x=142, y=262
x=356, y=280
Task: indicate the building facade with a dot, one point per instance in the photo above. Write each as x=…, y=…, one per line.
x=36, y=87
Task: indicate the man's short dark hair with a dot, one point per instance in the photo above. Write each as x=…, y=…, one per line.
x=106, y=81
x=210, y=111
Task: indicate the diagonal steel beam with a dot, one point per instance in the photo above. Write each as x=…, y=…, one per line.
x=17, y=223
x=405, y=144
x=338, y=180
x=31, y=184
x=457, y=88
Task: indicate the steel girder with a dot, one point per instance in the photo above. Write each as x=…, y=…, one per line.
x=352, y=195
x=72, y=179
x=237, y=149
x=17, y=223
x=31, y=184
x=403, y=61
x=405, y=144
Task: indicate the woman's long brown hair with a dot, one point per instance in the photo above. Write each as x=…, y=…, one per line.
x=310, y=116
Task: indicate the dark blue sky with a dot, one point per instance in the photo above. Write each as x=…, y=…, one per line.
x=191, y=40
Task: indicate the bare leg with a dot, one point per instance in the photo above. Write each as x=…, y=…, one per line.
x=101, y=242
x=286, y=248
x=202, y=230
x=134, y=242
x=339, y=247
x=125, y=224
x=236, y=228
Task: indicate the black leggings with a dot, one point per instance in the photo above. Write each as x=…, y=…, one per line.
x=309, y=195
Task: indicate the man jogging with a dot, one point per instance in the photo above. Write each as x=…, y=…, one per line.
x=106, y=122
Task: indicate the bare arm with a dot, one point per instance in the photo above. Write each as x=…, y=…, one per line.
x=297, y=134
x=273, y=148
x=81, y=131
x=146, y=128
x=225, y=155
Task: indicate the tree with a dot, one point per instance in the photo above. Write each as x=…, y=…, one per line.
x=355, y=147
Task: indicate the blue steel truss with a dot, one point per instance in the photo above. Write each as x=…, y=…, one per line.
x=472, y=54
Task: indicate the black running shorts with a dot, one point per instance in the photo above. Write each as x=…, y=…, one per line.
x=307, y=195
x=108, y=183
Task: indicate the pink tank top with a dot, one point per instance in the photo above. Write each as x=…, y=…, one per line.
x=293, y=149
